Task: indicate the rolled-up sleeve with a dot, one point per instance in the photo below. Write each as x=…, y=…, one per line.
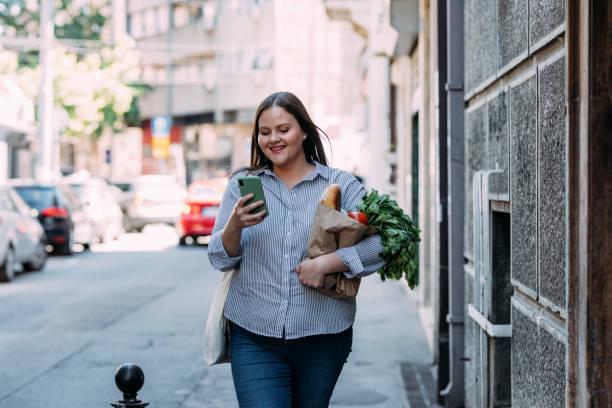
x=217, y=255
x=363, y=258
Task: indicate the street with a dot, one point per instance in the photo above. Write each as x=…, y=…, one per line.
x=143, y=299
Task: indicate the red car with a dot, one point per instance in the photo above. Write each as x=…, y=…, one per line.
x=200, y=209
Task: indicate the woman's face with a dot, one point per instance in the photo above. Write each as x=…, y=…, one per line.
x=280, y=137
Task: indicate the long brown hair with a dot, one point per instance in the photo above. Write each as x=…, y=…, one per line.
x=313, y=145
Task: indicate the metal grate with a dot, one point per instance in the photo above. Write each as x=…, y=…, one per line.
x=419, y=385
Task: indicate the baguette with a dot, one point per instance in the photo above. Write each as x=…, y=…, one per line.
x=332, y=197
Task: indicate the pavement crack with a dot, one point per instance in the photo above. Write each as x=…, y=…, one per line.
x=44, y=372
x=136, y=307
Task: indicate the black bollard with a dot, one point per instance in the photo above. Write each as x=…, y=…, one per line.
x=129, y=379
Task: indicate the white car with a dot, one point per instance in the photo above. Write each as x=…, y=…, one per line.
x=101, y=206
x=22, y=238
x=156, y=199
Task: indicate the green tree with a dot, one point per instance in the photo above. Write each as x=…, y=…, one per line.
x=94, y=89
x=79, y=19
x=73, y=19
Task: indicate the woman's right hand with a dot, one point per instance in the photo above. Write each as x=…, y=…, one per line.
x=241, y=216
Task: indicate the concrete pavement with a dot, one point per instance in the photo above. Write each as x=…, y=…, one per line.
x=143, y=299
x=387, y=337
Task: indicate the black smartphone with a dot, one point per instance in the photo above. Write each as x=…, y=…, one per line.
x=252, y=184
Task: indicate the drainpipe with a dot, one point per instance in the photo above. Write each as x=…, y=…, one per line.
x=443, y=294
x=455, y=390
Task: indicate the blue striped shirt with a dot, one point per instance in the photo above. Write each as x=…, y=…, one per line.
x=266, y=296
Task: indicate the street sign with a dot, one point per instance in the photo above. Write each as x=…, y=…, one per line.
x=160, y=142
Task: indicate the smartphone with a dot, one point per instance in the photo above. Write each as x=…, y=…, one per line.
x=252, y=184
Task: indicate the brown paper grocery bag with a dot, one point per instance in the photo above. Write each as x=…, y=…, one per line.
x=331, y=230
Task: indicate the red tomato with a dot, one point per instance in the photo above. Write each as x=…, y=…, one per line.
x=358, y=216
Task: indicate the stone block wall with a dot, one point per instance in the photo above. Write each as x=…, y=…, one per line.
x=516, y=122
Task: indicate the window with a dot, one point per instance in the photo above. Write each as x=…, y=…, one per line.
x=128, y=24
x=149, y=74
x=181, y=15
x=5, y=203
x=150, y=22
x=263, y=59
x=18, y=202
x=195, y=12
x=181, y=74
x=162, y=76
x=227, y=64
x=163, y=17
x=209, y=12
x=136, y=25
x=209, y=74
x=500, y=352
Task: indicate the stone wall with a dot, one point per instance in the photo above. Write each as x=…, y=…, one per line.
x=515, y=92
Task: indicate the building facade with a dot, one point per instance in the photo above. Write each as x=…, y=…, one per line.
x=210, y=63
x=17, y=132
x=515, y=203
x=498, y=128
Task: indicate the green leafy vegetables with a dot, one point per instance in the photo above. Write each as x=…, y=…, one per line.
x=399, y=237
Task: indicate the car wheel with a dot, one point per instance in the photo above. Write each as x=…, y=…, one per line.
x=38, y=260
x=183, y=241
x=66, y=248
x=8, y=268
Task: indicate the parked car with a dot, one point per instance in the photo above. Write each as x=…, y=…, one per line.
x=22, y=238
x=101, y=206
x=60, y=213
x=124, y=194
x=201, y=208
x=157, y=199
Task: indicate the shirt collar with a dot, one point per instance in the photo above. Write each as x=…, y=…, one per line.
x=320, y=170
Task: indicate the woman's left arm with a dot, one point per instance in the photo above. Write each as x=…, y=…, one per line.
x=363, y=258
x=357, y=261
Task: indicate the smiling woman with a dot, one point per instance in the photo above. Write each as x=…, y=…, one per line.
x=280, y=137
x=289, y=341
x=284, y=114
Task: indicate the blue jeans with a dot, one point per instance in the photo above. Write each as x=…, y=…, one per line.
x=276, y=373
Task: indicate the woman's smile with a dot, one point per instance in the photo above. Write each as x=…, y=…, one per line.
x=277, y=149
x=280, y=137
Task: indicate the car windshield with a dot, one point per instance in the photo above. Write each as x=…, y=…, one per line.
x=77, y=188
x=201, y=192
x=37, y=197
x=125, y=187
x=167, y=185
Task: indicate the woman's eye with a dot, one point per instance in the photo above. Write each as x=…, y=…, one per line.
x=263, y=134
x=284, y=130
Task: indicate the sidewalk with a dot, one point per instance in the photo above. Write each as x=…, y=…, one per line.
x=390, y=365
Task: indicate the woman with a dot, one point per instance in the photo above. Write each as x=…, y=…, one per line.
x=288, y=341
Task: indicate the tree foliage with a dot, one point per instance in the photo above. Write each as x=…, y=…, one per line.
x=95, y=89
x=79, y=19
